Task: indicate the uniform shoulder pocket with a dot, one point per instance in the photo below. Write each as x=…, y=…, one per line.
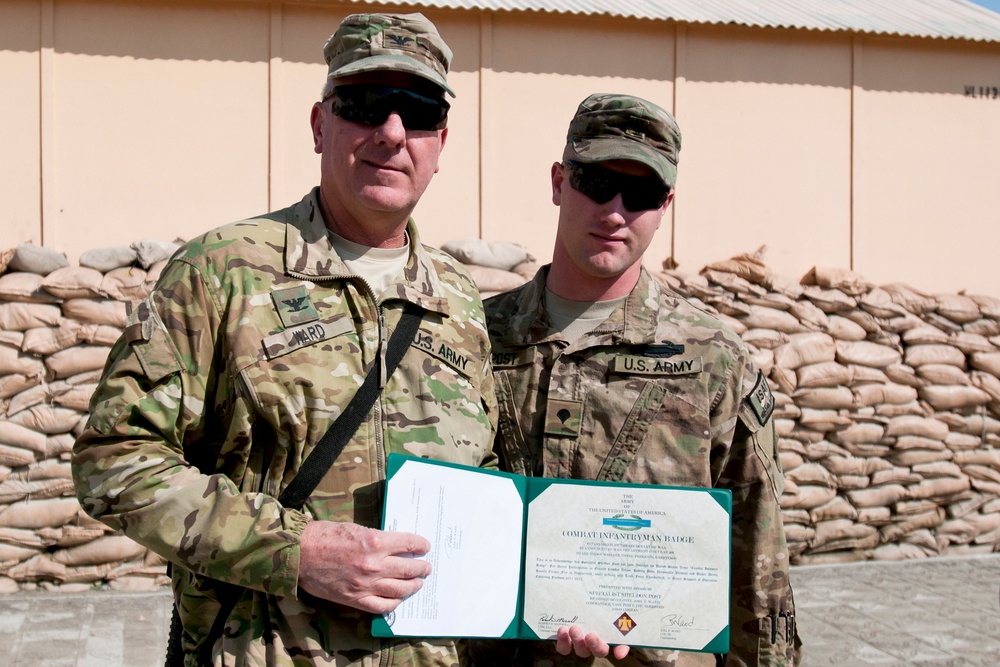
x=146, y=335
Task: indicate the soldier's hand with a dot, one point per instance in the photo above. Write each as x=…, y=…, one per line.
x=370, y=570
x=572, y=640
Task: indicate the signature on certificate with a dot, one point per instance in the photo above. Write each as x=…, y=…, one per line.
x=552, y=618
x=678, y=621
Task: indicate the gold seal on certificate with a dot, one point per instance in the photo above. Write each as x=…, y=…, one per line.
x=642, y=565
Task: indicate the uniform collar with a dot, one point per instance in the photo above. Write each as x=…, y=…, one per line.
x=635, y=323
x=309, y=254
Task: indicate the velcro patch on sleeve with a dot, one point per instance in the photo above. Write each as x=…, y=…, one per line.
x=507, y=359
x=294, y=306
x=563, y=417
x=643, y=365
x=456, y=358
x=761, y=400
x=311, y=333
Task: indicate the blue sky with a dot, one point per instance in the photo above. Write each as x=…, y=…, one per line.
x=989, y=4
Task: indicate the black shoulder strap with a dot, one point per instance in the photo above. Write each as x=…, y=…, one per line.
x=332, y=443
x=320, y=460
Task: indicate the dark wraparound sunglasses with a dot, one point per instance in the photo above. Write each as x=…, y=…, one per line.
x=371, y=105
x=639, y=193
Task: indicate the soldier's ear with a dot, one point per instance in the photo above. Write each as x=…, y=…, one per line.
x=558, y=179
x=316, y=118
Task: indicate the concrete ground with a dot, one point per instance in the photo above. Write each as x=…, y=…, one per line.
x=939, y=612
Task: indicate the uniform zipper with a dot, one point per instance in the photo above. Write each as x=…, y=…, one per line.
x=379, y=445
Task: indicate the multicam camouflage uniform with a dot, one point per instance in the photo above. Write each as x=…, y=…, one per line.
x=251, y=345
x=661, y=393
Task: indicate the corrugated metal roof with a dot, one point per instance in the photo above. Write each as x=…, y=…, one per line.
x=941, y=19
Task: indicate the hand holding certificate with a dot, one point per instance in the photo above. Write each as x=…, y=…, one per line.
x=520, y=557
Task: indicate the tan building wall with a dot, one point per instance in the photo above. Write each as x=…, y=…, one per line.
x=125, y=119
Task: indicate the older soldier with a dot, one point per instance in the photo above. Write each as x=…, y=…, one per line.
x=580, y=398
x=250, y=347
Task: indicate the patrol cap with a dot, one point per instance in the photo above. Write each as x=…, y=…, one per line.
x=395, y=42
x=623, y=127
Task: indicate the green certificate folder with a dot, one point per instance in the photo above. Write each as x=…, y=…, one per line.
x=517, y=557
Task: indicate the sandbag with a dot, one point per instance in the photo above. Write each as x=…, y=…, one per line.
x=73, y=282
x=969, y=342
x=957, y=308
x=879, y=303
x=859, y=432
x=824, y=398
x=151, y=251
x=109, y=259
x=877, y=495
x=14, y=361
x=830, y=300
x=805, y=348
x=13, y=434
x=910, y=299
x=25, y=287
x=765, y=339
x=913, y=425
x=15, y=316
x=109, y=549
x=96, y=311
x=861, y=375
x=810, y=473
x=36, y=259
x=865, y=353
x=925, y=335
x=40, y=513
x=494, y=280
x=842, y=328
x=838, y=508
x=77, y=360
x=946, y=374
x=943, y=397
x=47, y=419
x=804, y=497
x=881, y=394
x=918, y=355
x=15, y=490
x=811, y=315
x=853, y=465
x=15, y=383
x=823, y=374
x=125, y=284
x=749, y=266
x=732, y=283
x=771, y=318
x=48, y=340
x=498, y=255
x=903, y=374
x=845, y=280
x=13, y=457
x=986, y=361
x=76, y=398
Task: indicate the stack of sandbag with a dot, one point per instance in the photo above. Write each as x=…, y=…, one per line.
x=495, y=266
x=887, y=407
x=57, y=325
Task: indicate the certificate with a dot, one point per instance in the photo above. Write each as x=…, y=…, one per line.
x=519, y=557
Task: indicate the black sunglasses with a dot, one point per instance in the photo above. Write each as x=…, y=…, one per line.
x=371, y=105
x=639, y=193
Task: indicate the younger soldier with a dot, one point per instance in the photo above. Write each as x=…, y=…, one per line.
x=602, y=373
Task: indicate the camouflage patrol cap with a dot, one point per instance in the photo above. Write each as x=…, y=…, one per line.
x=394, y=42
x=623, y=127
